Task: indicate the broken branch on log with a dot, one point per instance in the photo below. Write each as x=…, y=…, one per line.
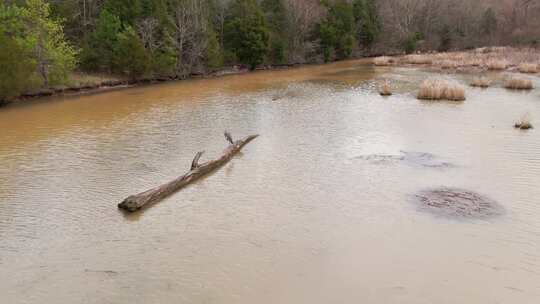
x=136, y=202
x=195, y=162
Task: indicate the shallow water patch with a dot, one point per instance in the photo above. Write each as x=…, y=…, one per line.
x=421, y=159
x=457, y=203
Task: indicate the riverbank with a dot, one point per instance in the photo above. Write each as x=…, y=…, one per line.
x=85, y=83
x=511, y=59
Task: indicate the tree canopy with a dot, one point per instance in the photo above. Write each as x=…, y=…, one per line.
x=42, y=41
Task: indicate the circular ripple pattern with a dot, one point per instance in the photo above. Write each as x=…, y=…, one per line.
x=458, y=203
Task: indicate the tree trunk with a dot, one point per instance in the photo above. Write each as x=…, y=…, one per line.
x=136, y=202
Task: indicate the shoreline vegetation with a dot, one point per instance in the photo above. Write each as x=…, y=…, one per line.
x=53, y=47
x=83, y=83
x=517, y=61
x=523, y=60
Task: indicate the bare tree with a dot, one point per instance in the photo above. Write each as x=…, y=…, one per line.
x=302, y=16
x=189, y=37
x=147, y=29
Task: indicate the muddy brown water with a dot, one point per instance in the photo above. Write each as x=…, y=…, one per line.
x=316, y=210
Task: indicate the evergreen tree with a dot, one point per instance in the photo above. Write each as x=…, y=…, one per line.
x=410, y=44
x=115, y=48
x=276, y=19
x=246, y=33
x=488, y=23
x=127, y=10
x=214, y=55
x=98, y=53
x=337, y=30
x=367, y=21
x=130, y=56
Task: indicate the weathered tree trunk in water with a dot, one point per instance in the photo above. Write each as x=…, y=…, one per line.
x=136, y=202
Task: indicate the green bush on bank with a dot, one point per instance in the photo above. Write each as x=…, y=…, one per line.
x=33, y=51
x=246, y=33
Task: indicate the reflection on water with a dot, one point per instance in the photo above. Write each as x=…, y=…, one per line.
x=304, y=215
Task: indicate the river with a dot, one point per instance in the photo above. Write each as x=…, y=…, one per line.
x=316, y=210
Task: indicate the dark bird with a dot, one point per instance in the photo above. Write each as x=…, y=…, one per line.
x=229, y=137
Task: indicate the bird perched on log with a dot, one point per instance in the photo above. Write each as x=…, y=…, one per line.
x=229, y=137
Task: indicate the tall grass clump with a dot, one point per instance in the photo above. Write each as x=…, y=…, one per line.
x=528, y=68
x=382, y=61
x=480, y=82
x=524, y=123
x=497, y=64
x=515, y=83
x=439, y=89
x=449, y=64
x=419, y=59
x=384, y=89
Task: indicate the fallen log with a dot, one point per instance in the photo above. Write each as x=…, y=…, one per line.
x=136, y=202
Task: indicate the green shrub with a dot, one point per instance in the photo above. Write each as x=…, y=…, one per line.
x=367, y=21
x=411, y=43
x=130, y=56
x=246, y=33
x=16, y=67
x=276, y=19
x=33, y=51
x=115, y=48
x=337, y=29
x=214, y=56
x=99, y=50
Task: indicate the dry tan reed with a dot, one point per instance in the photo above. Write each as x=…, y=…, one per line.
x=515, y=83
x=449, y=64
x=480, y=82
x=383, y=61
x=528, y=68
x=419, y=59
x=492, y=58
x=497, y=64
x=384, y=89
x=439, y=89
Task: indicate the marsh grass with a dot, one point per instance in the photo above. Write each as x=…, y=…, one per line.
x=439, y=89
x=449, y=64
x=528, y=68
x=490, y=58
x=497, y=64
x=419, y=59
x=480, y=82
x=515, y=83
x=384, y=89
x=82, y=79
x=383, y=61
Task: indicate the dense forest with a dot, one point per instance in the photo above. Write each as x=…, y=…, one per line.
x=41, y=42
